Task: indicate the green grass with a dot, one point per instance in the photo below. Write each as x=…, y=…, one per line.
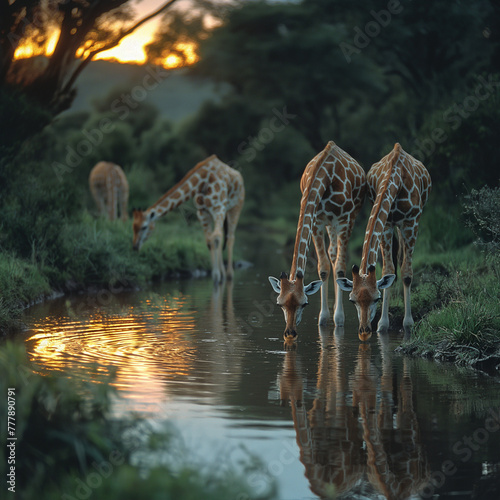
x=458, y=308
x=95, y=252
x=99, y=251
x=20, y=283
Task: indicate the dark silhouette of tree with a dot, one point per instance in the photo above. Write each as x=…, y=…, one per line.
x=90, y=26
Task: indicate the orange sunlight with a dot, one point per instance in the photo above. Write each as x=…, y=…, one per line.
x=130, y=50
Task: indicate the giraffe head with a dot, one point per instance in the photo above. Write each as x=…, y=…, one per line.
x=292, y=299
x=365, y=293
x=143, y=225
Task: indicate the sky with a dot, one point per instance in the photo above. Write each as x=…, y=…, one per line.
x=131, y=47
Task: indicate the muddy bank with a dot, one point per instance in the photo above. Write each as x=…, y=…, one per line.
x=481, y=357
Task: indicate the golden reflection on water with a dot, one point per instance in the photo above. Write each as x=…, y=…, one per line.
x=143, y=345
x=154, y=346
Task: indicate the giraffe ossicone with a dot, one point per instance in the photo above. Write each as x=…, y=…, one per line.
x=398, y=186
x=218, y=193
x=333, y=189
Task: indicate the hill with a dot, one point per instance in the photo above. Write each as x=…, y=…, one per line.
x=176, y=95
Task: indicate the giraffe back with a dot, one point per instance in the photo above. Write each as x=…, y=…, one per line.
x=398, y=186
x=410, y=187
x=333, y=184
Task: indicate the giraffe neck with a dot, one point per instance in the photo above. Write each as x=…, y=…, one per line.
x=182, y=191
x=311, y=197
x=386, y=195
x=174, y=197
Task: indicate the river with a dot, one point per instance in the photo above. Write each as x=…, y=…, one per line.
x=331, y=412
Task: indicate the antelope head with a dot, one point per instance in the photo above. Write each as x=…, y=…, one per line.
x=143, y=225
x=364, y=294
x=292, y=298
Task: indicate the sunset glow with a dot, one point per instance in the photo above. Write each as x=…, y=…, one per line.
x=28, y=49
x=130, y=50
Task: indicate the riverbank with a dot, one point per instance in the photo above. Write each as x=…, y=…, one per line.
x=457, y=311
x=96, y=254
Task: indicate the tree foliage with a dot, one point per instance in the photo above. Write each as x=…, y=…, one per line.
x=86, y=27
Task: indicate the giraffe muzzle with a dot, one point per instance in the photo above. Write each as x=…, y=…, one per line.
x=289, y=334
x=364, y=333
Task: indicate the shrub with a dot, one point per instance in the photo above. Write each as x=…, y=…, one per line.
x=483, y=208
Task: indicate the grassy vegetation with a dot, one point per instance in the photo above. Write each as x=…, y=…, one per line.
x=68, y=445
x=96, y=253
x=458, y=310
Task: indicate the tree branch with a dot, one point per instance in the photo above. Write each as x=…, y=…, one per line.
x=112, y=44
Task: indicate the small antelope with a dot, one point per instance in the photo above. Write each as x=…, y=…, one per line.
x=109, y=187
x=333, y=189
x=218, y=192
x=399, y=186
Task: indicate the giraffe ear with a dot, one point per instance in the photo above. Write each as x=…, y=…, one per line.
x=275, y=283
x=386, y=281
x=313, y=287
x=345, y=284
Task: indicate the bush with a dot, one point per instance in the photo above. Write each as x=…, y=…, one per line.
x=483, y=209
x=21, y=283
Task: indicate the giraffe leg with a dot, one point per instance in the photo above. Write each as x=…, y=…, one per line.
x=206, y=223
x=232, y=221
x=409, y=237
x=323, y=272
x=123, y=202
x=216, y=243
x=100, y=199
x=387, y=268
x=110, y=187
x=337, y=252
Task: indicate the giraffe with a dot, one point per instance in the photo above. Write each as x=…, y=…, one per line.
x=218, y=193
x=398, y=186
x=109, y=188
x=333, y=189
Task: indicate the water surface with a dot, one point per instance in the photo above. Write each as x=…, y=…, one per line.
x=332, y=413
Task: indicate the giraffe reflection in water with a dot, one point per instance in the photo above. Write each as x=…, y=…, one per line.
x=225, y=345
x=361, y=435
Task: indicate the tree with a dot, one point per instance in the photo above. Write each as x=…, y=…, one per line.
x=285, y=55
x=86, y=28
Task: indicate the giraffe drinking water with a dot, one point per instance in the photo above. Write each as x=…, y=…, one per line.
x=333, y=189
x=218, y=194
x=398, y=186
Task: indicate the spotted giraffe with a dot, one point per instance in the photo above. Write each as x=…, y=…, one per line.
x=398, y=186
x=109, y=187
x=333, y=189
x=218, y=193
